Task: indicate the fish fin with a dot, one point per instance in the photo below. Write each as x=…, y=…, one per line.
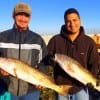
x=15, y=72
x=64, y=89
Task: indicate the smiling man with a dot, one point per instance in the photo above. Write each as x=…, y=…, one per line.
x=23, y=44
x=21, y=15
x=73, y=42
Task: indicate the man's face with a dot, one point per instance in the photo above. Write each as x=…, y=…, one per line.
x=73, y=23
x=22, y=20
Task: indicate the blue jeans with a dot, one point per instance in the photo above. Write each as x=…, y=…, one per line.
x=81, y=95
x=30, y=96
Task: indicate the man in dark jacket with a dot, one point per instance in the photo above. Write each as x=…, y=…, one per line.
x=25, y=45
x=73, y=42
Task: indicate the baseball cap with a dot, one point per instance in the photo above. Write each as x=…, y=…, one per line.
x=22, y=7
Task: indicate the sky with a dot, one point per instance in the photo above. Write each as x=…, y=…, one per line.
x=47, y=15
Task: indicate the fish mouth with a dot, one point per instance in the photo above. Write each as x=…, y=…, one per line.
x=56, y=56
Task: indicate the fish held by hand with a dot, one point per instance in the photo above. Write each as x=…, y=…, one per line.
x=23, y=71
x=76, y=70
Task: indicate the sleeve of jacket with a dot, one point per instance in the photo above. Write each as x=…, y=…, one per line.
x=42, y=65
x=94, y=60
x=51, y=52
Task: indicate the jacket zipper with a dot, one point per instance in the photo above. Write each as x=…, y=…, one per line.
x=19, y=57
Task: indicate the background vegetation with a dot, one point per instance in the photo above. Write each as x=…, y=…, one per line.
x=48, y=94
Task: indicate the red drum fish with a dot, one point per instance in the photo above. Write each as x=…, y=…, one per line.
x=25, y=72
x=76, y=70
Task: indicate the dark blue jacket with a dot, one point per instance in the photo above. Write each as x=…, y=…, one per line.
x=26, y=46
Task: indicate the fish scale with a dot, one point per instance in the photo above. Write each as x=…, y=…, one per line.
x=23, y=71
x=76, y=70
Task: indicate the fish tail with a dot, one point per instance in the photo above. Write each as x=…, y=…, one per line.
x=63, y=89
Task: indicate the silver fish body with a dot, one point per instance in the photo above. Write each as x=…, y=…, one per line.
x=76, y=70
x=31, y=75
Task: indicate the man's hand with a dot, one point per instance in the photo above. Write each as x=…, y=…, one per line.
x=98, y=80
x=4, y=73
x=90, y=86
x=39, y=87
